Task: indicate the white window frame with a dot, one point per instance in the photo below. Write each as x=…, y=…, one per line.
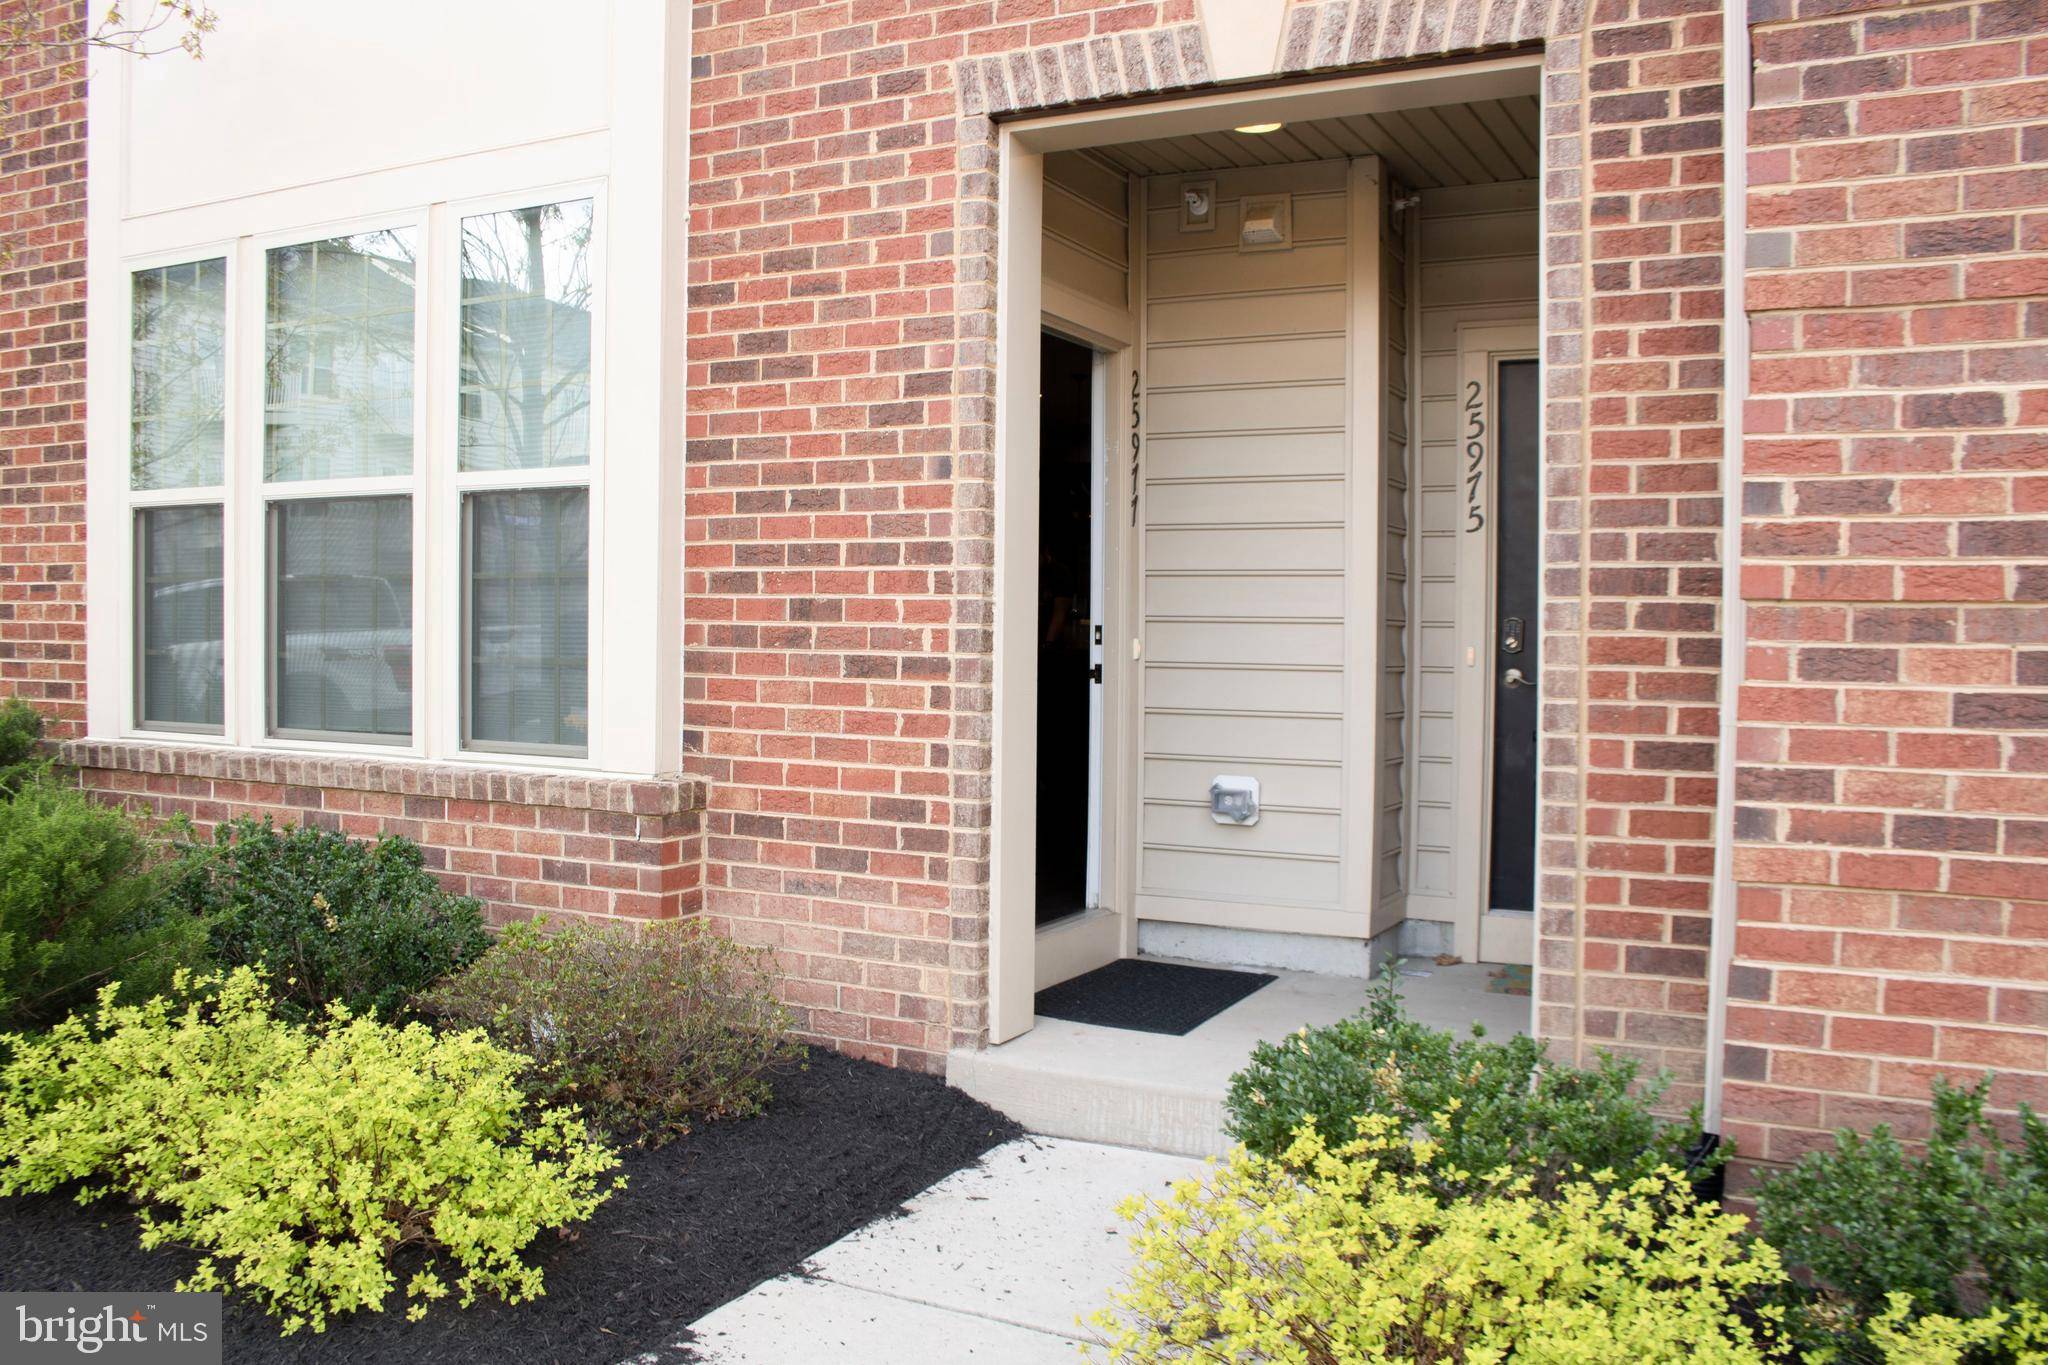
x=435, y=488
x=449, y=540
x=136, y=500
x=251, y=689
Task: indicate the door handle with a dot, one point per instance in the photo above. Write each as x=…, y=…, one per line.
x=1095, y=674
x=1514, y=678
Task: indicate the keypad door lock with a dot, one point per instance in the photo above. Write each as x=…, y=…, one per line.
x=1511, y=635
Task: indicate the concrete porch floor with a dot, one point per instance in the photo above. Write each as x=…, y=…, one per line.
x=1165, y=1094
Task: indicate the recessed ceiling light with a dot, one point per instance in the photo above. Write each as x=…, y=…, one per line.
x=1260, y=128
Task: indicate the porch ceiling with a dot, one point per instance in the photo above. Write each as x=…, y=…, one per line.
x=1447, y=144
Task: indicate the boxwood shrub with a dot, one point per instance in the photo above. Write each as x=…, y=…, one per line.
x=21, y=739
x=328, y=918
x=1487, y=1104
x=1956, y=1229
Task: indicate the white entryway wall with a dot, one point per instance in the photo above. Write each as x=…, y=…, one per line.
x=1252, y=531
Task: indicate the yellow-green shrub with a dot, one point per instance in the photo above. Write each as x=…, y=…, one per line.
x=298, y=1161
x=1903, y=1336
x=1334, y=1255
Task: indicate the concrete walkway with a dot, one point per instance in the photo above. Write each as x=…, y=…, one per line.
x=992, y=1265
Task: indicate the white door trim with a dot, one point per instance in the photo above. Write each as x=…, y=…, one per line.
x=1013, y=757
x=1098, y=617
x=1481, y=346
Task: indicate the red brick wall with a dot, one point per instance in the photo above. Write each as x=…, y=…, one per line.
x=42, y=374
x=839, y=531
x=1893, y=789
x=837, y=665
x=522, y=843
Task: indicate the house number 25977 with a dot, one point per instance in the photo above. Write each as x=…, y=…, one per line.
x=1475, y=457
x=1135, y=445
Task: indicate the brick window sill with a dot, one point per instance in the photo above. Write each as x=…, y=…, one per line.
x=636, y=796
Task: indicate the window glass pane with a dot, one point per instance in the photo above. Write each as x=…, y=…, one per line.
x=529, y=618
x=342, y=625
x=178, y=334
x=338, y=358
x=526, y=338
x=178, y=567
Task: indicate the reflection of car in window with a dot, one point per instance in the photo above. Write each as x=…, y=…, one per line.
x=527, y=623
x=188, y=664
x=344, y=643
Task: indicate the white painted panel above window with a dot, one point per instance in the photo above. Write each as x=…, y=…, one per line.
x=292, y=93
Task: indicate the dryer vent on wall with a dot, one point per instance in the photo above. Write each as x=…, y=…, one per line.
x=1268, y=223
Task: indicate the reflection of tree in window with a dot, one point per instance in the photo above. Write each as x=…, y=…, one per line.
x=338, y=357
x=178, y=369
x=526, y=338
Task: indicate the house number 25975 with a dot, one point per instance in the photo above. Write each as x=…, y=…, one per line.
x=1475, y=457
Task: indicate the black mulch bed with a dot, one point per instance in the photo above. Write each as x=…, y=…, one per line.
x=701, y=1221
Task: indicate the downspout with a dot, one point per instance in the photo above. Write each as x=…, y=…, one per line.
x=1736, y=75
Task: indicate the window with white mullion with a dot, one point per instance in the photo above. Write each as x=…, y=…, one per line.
x=523, y=458
x=177, y=455
x=176, y=497
x=314, y=440
x=574, y=476
x=341, y=332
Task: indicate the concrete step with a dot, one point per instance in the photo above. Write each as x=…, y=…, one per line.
x=1092, y=1106
x=1163, y=1093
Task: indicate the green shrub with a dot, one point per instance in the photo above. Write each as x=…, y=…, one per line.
x=79, y=907
x=646, y=1031
x=1489, y=1104
x=1959, y=1230
x=330, y=918
x=1343, y=1255
x=21, y=739
x=297, y=1161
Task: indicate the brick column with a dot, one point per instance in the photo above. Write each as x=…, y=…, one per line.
x=1634, y=573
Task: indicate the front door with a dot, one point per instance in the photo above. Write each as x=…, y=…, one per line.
x=1076, y=933
x=1511, y=870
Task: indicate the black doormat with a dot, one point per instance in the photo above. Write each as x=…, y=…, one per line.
x=701, y=1220
x=1149, y=997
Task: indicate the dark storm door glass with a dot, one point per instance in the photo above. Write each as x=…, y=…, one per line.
x=1065, y=628
x=1517, y=529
